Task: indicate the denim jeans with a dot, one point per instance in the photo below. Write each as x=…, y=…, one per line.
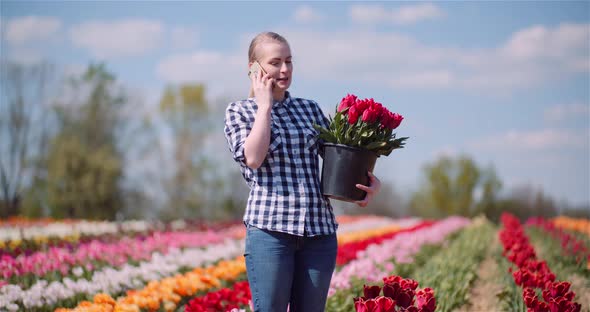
x=285, y=269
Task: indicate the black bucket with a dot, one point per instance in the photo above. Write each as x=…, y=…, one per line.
x=343, y=168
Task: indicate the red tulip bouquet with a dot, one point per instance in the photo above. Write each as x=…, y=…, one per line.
x=365, y=124
x=360, y=131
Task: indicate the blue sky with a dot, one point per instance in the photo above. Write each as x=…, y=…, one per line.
x=504, y=82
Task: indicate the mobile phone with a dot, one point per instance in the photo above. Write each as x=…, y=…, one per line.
x=256, y=67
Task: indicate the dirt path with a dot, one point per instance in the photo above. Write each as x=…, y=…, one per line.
x=482, y=296
x=582, y=289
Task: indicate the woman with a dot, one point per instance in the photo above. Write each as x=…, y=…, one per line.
x=291, y=230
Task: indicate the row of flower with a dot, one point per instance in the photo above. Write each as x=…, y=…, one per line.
x=19, y=233
x=380, y=264
x=571, y=245
x=573, y=224
x=56, y=263
x=229, y=298
x=71, y=234
x=450, y=280
x=541, y=291
x=115, y=281
x=82, y=259
x=28, y=236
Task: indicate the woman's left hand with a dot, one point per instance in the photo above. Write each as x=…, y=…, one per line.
x=372, y=190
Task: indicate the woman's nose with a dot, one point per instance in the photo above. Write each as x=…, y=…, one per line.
x=284, y=67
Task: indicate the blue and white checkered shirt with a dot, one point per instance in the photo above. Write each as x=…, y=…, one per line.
x=285, y=194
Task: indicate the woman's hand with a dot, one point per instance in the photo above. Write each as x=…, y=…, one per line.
x=372, y=190
x=262, y=85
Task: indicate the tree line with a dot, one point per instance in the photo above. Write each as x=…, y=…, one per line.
x=80, y=147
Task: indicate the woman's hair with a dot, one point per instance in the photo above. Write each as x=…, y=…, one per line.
x=261, y=38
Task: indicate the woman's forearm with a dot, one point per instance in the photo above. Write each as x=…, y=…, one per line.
x=257, y=142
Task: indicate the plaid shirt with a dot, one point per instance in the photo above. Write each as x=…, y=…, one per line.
x=285, y=194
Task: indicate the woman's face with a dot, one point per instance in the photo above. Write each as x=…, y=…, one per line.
x=275, y=58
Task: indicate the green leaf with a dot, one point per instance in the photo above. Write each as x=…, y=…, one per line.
x=375, y=145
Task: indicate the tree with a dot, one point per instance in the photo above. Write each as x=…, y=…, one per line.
x=25, y=120
x=451, y=186
x=387, y=203
x=84, y=164
x=185, y=110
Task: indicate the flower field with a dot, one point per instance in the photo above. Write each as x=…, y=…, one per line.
x=383, y=264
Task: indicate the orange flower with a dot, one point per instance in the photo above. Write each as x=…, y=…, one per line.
x=580, y=225
x=104, y=299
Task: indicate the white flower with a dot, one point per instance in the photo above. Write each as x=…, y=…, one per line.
x=78, y=271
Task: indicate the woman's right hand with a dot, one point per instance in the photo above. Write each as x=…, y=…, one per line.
x=262, y=86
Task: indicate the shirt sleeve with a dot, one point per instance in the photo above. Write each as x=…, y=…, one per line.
x=237, y=127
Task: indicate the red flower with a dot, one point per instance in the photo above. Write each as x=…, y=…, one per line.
x=362, y=305
x=370, y=115
x=385, y=304
x=405, y=298
x=425, y=300
x=397, y=120
x=379, y=304
x=391, y=120
x=371, y=292
x=364, y=104
x=347, y=102
x=409, y=284
x=353, y=114
x=391, y=289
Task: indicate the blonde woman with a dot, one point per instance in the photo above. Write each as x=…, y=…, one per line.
x=291, y=241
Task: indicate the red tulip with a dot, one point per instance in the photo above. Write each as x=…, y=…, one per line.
x=397, y=120
x=347, y=102
x=363, y=105
x=370, y=116
x=385, y=304
x=353, y=114
x=371, y=292
x=425, y=300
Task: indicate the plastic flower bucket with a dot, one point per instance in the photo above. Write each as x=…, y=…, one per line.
x=343, y=168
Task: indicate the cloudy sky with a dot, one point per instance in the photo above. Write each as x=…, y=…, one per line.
x=506, y=83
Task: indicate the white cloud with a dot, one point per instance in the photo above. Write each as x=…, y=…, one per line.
x=544, y=139
x=219, y=71
x=565, y=112
x=566, y=45
x=118, y=39
x=401, y=61
x=409, y=14
x=184, y=37
x=432, y=79
x=392, y=60
x=306, y=14
x=415, y=13
x=22, y=30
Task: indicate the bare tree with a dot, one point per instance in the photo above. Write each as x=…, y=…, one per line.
x=24, y=129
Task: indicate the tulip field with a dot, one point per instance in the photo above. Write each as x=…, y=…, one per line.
x=383, y=264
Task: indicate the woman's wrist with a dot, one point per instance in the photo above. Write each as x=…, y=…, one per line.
x=264, y=110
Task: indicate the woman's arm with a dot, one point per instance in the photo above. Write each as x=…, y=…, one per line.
x=257, y=142
x=256, y=145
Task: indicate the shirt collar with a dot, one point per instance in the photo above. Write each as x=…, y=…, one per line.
x=285, y=102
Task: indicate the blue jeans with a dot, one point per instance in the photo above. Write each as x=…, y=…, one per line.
x=286, y=269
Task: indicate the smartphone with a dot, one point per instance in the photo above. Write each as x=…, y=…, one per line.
x=256, y=67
